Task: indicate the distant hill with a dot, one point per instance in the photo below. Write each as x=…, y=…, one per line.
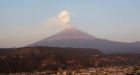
x=40, y=50
x=75, y=38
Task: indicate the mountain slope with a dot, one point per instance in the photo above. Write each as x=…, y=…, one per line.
x=75, y=38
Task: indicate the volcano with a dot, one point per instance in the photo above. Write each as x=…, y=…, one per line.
x=74, y=38
x=70, y=34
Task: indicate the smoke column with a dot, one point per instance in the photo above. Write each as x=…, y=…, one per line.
x=65, y=18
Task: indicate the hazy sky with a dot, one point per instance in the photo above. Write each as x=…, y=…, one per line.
x=25, y=21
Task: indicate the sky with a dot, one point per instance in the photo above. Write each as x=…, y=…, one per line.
x=23, y=22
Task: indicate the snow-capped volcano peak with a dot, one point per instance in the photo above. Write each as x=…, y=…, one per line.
x=71, y=34
x=68, y=34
